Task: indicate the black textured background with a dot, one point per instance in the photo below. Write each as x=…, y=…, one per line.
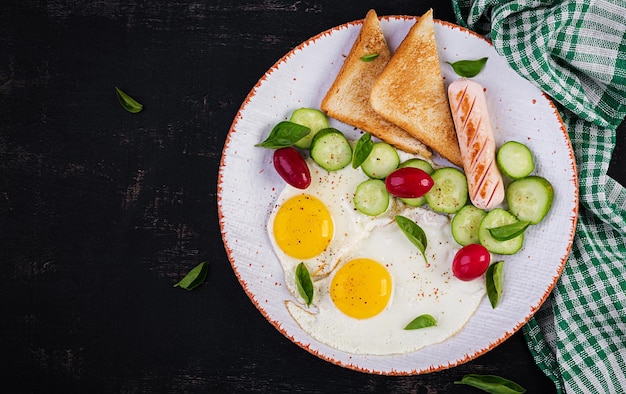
x=102, y=211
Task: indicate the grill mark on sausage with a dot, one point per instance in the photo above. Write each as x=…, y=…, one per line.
x=476, y=156
x=482, y=172
x=469, y=128
x=494, y=190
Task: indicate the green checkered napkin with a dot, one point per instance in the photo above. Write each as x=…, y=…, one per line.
x=575, y=51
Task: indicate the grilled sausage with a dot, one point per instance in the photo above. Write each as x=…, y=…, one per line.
x=477, y=143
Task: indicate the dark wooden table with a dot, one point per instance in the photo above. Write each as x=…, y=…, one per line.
x=102, y=211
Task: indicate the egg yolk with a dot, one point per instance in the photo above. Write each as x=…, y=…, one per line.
x=361, y=288
x=303, y=227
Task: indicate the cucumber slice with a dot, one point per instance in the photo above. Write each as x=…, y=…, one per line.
x=418, y=163
x=495, y=218
x=515, y=160
x=449, y=193
x=530, y=198
x=382, y=160
x=371, y=197
x=330, y=149
x=465, y=225
x=424, y=166
x=314, y=119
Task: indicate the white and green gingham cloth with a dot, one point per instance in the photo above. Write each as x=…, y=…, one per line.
x=575, y=51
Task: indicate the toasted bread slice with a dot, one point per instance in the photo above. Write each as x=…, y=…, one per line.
x=409, y=92
x=348, y=99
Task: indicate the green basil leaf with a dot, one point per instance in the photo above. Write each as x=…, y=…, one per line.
x=128, y=103
x=304, y=283
x=284, y=134
x=369, y=57
x=195, y=277
x=468, y=68
x=493, y=281
x=422, y=321
x=491, y=384
x=508, y=231
x=362, y=149
x=414, y=233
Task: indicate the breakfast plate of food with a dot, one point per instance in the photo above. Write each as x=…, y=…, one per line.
x=394, y=198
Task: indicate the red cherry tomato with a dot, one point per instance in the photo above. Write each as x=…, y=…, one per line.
x=470, y=262
x=292, y=168
x=409, y=182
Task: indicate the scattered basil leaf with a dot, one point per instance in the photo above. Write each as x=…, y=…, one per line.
x=195, y=277
x=491, y=384
x=369, y=57
x=468, y=68
x=414, y=233
x=128, y=103
x=422, y=321
x=494, y=282
x=508, y=231
x=304, y=283
x=362, y=149
x=284, y=134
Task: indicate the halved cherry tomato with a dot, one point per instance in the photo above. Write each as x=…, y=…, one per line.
x=409, y=182
x=470, y=262
x=291, y=166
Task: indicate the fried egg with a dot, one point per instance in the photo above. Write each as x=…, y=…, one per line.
x=317, y=225
x=369, y=280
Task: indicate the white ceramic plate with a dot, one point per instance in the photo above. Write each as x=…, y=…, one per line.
x=248, y=186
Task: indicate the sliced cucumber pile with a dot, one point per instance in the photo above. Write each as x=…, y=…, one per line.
x=528, y=197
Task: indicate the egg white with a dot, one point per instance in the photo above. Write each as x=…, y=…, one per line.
x=419, y=285
x=336, y=190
